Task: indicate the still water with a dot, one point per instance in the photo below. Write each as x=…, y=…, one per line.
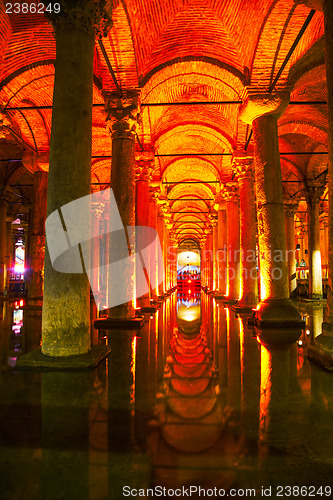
x=192, y=405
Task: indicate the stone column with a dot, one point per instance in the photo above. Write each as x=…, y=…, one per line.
x=290, y=208
x=154, y=270
x=37, y=239
x=313, y=193
x=35, y=260
x=222, y=248
x=275, y=307
x=123, y=114
x=160, y=231
x=233, y=236
x=5, y=196
x=66, y=306
x=214, y=249
x=96, y=216
x=244, y=172
x=144, y=165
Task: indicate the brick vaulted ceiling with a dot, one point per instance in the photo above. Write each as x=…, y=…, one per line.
x=174, y=51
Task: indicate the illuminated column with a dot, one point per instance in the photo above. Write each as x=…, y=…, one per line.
x=144, y=165
x=66, y=305
x=96, y=216
x=35, y=261
x=233, y=236
x=37, y=239
x=313, y=193
x=121, y=121
x=154, y=271
x=5, y=196
x=290, y=209
x=214, y=249
x=262, y=110
x=160, y=231
x=222, y=248
x=243, y=168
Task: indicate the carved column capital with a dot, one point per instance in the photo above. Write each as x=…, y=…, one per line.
x=97, y=209
x=89, y=16
x=144, y=165
x=230, y=192
x=123, y=113
x=242, y=165
x=290, y=207
x=314, y=190
x=258, y=104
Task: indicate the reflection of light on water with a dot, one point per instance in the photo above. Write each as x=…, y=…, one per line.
x=133, y=363
x=189, y=313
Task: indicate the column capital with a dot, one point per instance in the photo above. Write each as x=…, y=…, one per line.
x=89, y=16
x=242, y=165
x=97, y=209
x=123, y=113
x=144, y=165
x=314, y=190
x=259, y=104
x=230, y=192
x=290, y=207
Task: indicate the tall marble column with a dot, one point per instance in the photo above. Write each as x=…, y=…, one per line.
x=154, y=264
x=123, y=115
x=275, y=307
x=144, y=165
x=160, y=231
x=66, y=305
x=96, y=218
x=244, y=172
x=222, y=248
x=313, y=193
x=231, y=196
x=37, y=238
x=5, y=196
x=35, y=260
x=214, y=250
x=290, y=208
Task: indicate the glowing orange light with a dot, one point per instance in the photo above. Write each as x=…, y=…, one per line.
x=21, y=303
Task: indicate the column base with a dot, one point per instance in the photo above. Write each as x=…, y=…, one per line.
x=241, y=307
x=37, y=361
x=119, y=323
x=227, y=300
x=150, y=309
x=277, y=313
x=278, y=338
x=321, y=351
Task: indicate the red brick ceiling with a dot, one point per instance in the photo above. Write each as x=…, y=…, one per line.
x=178, y=50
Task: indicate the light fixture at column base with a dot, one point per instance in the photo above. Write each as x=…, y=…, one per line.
x=119, y=323
x=36, y=361
x=278, y=313
x=321, y=352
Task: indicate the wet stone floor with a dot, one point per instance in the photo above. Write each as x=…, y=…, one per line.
x=190, y=406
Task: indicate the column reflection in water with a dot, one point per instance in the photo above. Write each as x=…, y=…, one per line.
x=189, y=414
x=250, y=383
x=126, y=463
x=65, y=432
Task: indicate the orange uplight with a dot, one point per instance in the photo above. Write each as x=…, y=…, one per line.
x=189, y=281
x=21, y=303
